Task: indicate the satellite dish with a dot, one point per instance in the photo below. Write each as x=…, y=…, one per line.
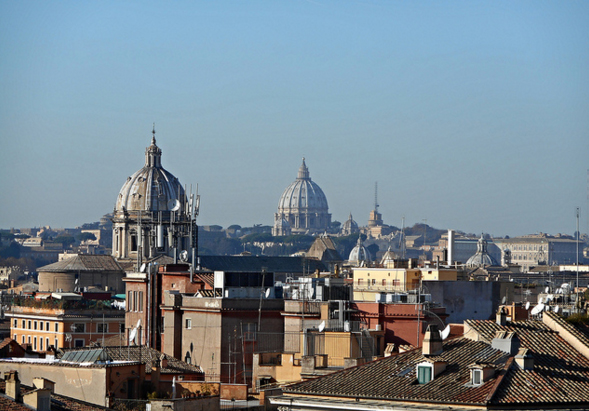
x=557, y=308
x=173, y=205
x=77, y=280
x=541, y=300
x=546, y=308
x=142, y=268
x=132, y=335
x=446, y=332
x=504, y=299
x=68, y=337
x=183, y=255
x=138, y=323
x=528, y=305
x=267, y=293
x=322, y=326
x=547, y=289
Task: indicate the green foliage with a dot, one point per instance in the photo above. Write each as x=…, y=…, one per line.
x=66, y=240
x=84, y=237
x=12, y=251
x=578, y=319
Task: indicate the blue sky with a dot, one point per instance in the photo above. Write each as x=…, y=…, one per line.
x=472, y=115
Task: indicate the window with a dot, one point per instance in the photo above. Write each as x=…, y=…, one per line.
x=56, y=327
x=56, y=346
x=41, y=344
x=188, y=323
x=47, y=342
x=102, y=327
x=424, y=374
x=140, y=308
x=249, y=331
x=78, y=343
x=130, y=301
x=23, y=339
x=41, y=325
x=122, y=327
x=34, y=325
x=134, y=300
x=373, y=281
x=384, y=283
x=163, y=328
x=477, y=377
x=47, y=325
x=29, y=324
x=23, y=323
x=79, y=328
x=396, y=283
x=28, y=339
x=15, y=324
x=15, y=337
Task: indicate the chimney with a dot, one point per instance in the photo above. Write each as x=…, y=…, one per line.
x=501, y=316
x=13, y=385
x=163, y=361
x=432, y=341
x=524, y=359
x=506, y=341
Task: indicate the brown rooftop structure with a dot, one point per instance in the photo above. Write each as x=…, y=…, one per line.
x=519, y=365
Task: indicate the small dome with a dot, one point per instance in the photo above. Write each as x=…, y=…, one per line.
x=359, y=253
x=349, y=226
x=481, y=258
x=152, y=187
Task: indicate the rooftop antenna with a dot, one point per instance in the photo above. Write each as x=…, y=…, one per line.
x=376, y=196
x=402, y=240
x=578, y=214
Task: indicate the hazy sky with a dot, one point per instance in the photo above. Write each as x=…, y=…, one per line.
x=472, y=115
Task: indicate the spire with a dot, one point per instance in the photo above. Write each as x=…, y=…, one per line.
x=153, y=154
x=303, y=171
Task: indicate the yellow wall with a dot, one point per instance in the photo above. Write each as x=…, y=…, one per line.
x=369, y=281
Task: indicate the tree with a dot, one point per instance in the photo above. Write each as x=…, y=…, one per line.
x=66, y=240
x=81, y=237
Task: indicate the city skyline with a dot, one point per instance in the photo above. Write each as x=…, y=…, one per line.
x=471, y=116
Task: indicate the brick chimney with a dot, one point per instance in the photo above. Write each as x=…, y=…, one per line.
x=13, y=385
x=432, y=341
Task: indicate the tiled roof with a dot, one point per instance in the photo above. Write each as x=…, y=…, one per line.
x=559, y=377
x=58, y=402
x=560, y=374
x=148, y=356
x=207, y=278
x=84, y=262
x=394, y=378
x=5, y=342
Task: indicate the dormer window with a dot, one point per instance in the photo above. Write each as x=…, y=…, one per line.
x=424, y=373
x=476, y=377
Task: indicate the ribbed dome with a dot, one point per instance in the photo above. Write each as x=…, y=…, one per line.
x=481, y=258
x=359, y=253
x=349, y=226
x=303, y=194
x=152, y=187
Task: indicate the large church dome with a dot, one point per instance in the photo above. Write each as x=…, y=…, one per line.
x=303, y=193
x=303, y=205
x=152, y=188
